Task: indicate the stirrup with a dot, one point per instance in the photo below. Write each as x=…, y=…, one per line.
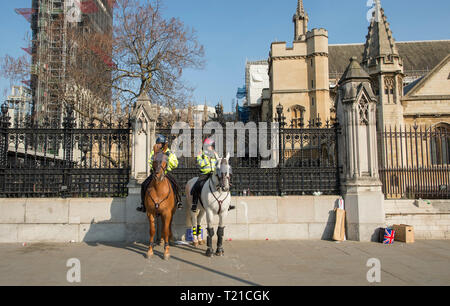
x=141, y=208
x=194, y=208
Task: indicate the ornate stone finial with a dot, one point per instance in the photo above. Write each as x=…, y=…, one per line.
x=205, y=113
x=378, y=12
x=379, y=41
x=118, y=108
x=300, y=8
x=190, y=118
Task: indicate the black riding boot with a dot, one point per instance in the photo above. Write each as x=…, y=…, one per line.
x=196, y=191
x=179, y=203
x=209, y=250
x=144, y=187
x=176, y=190
x=220, y=232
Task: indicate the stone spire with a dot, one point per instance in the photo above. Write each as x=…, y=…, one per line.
x=379, y=41
x=300, y=20
x=383, y=63
x=300, y=9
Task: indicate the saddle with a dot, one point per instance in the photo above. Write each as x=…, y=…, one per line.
x=197, y=189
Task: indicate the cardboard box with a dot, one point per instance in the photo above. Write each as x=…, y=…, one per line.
x=404, y=233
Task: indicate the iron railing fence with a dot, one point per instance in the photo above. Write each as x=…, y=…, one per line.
x=414, y=161
x=308, y=161
x=91, y=160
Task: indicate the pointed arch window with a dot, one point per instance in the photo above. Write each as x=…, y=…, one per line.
x=440, y=144
x=297, y=116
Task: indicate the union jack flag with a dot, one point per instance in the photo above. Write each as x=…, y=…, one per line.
x=388, y=236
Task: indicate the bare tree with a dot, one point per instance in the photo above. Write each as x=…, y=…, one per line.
x=144, y=53
x=151, y=52
x=88, y=74
x=15, y=69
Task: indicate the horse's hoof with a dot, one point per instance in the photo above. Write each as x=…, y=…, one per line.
x=166, y=256
x=220, y=252
x=201, y=242
x=209, y=252
x=149, y=255
x=195, y=243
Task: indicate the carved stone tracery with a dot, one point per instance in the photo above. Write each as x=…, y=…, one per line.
x=363, y=109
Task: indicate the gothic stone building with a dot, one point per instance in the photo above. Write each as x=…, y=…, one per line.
x=410, y=80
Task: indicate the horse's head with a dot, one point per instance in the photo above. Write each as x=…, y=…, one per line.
x=223, y=172
x=160, y=161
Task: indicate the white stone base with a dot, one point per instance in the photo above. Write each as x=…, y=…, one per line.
x=255, y=218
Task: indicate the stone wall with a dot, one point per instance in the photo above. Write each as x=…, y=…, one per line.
x=255, y=218
x=107, y=220
x=62, y=220
x=430, y=219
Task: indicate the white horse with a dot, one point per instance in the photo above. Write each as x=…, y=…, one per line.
x=216, y=199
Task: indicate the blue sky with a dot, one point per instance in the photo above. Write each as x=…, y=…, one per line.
x=234, y=31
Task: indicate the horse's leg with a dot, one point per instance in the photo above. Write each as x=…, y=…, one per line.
x=199, y=228
x=171, y=238
x=151, y=219
x=165, y=217
x=194, y=218
x=210, y=229
x=220, y=232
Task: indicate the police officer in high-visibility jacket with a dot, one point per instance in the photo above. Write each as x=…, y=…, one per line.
x=172, y=163
x=206, y=162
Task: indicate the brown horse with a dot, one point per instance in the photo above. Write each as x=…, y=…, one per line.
x=160, y=200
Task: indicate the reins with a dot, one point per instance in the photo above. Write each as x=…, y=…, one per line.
x=157, y=204
x=218, y=201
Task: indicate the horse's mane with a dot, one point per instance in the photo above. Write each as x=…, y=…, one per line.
x=158, y=151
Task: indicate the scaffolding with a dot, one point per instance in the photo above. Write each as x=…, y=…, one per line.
x=50, y=46
x=49, y=60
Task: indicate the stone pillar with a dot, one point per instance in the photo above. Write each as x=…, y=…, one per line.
x=143, y=124
x=361, y=186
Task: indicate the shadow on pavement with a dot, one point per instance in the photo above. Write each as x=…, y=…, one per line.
x=142, y=250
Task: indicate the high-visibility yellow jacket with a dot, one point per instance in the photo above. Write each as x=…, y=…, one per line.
x=172, y=162
x=206, y=164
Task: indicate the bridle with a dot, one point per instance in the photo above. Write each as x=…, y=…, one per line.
x=220, y=202
x=221, y=186
x=163, y=169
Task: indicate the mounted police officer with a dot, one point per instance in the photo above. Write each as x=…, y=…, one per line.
x=206, y=162
x=172, y=163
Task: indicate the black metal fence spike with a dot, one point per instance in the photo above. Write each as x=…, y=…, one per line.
x=318, y=122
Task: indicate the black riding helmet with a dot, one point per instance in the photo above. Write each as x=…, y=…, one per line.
x=161, y=139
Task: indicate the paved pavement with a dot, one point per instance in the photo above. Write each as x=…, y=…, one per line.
x=288, y=263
